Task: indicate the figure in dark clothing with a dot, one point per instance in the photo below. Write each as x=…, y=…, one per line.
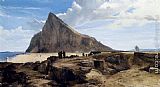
x=60, y=54
x=64, y=54
x=83, y=54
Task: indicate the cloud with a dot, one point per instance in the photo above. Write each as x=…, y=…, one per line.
x=126, y=12
x=81, y=11
x=1, y=13
x=122, y=39
x=35, y=24
x=15, y=39
x=39, y=21
x=17, y=31
x=147, y=8
x=2, y=0
x=115, y=22
x=21, y=8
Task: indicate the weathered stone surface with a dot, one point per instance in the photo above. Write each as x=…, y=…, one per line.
x=86, y=63
x=57, y=36
x=99, y=64
x=43, y=67
x=11, y=78
x=111, y=71
x=118, y=62
x=66, y=76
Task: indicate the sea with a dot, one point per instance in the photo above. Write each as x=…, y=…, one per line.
x=7, y=55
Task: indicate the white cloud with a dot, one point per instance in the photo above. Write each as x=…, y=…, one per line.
x=35, y=24
x=25, y=8
x=126, y=11
x=122, y=39
x=100, y=18
x=81, y=11
x=15, y=39
x=147, y=7
x=40, y=22
x=3, y=13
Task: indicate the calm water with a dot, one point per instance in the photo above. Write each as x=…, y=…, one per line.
x=4, y=55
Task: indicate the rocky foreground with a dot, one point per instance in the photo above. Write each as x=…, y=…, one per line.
x=100, y=70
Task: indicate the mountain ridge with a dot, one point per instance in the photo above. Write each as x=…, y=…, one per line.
x=57, y=36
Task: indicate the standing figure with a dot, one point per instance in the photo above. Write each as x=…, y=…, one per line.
x=60, y=54
x=64, y=54
x=83, y=54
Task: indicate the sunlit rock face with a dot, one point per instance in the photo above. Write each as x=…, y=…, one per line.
x=57, y=36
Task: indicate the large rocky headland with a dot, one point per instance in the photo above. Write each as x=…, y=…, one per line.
x=58, y=36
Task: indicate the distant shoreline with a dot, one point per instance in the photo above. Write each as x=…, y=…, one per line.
x=7, y=54
x=33, y=57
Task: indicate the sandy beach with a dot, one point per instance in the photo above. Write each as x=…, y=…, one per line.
x=33, y=57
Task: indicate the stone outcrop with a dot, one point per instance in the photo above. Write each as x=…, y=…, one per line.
x=10, y=78
x=64, y=75
x=118, y=62
x=78, y=71
x=57, y=36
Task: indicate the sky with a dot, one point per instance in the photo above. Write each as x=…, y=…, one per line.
x=120, y=24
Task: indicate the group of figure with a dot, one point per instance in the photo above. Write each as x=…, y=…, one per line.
x=83, y=54
x=62, y=54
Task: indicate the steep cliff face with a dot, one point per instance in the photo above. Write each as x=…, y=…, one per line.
x=57, y=36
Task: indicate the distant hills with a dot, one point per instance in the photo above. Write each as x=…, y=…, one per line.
x=148, y=50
